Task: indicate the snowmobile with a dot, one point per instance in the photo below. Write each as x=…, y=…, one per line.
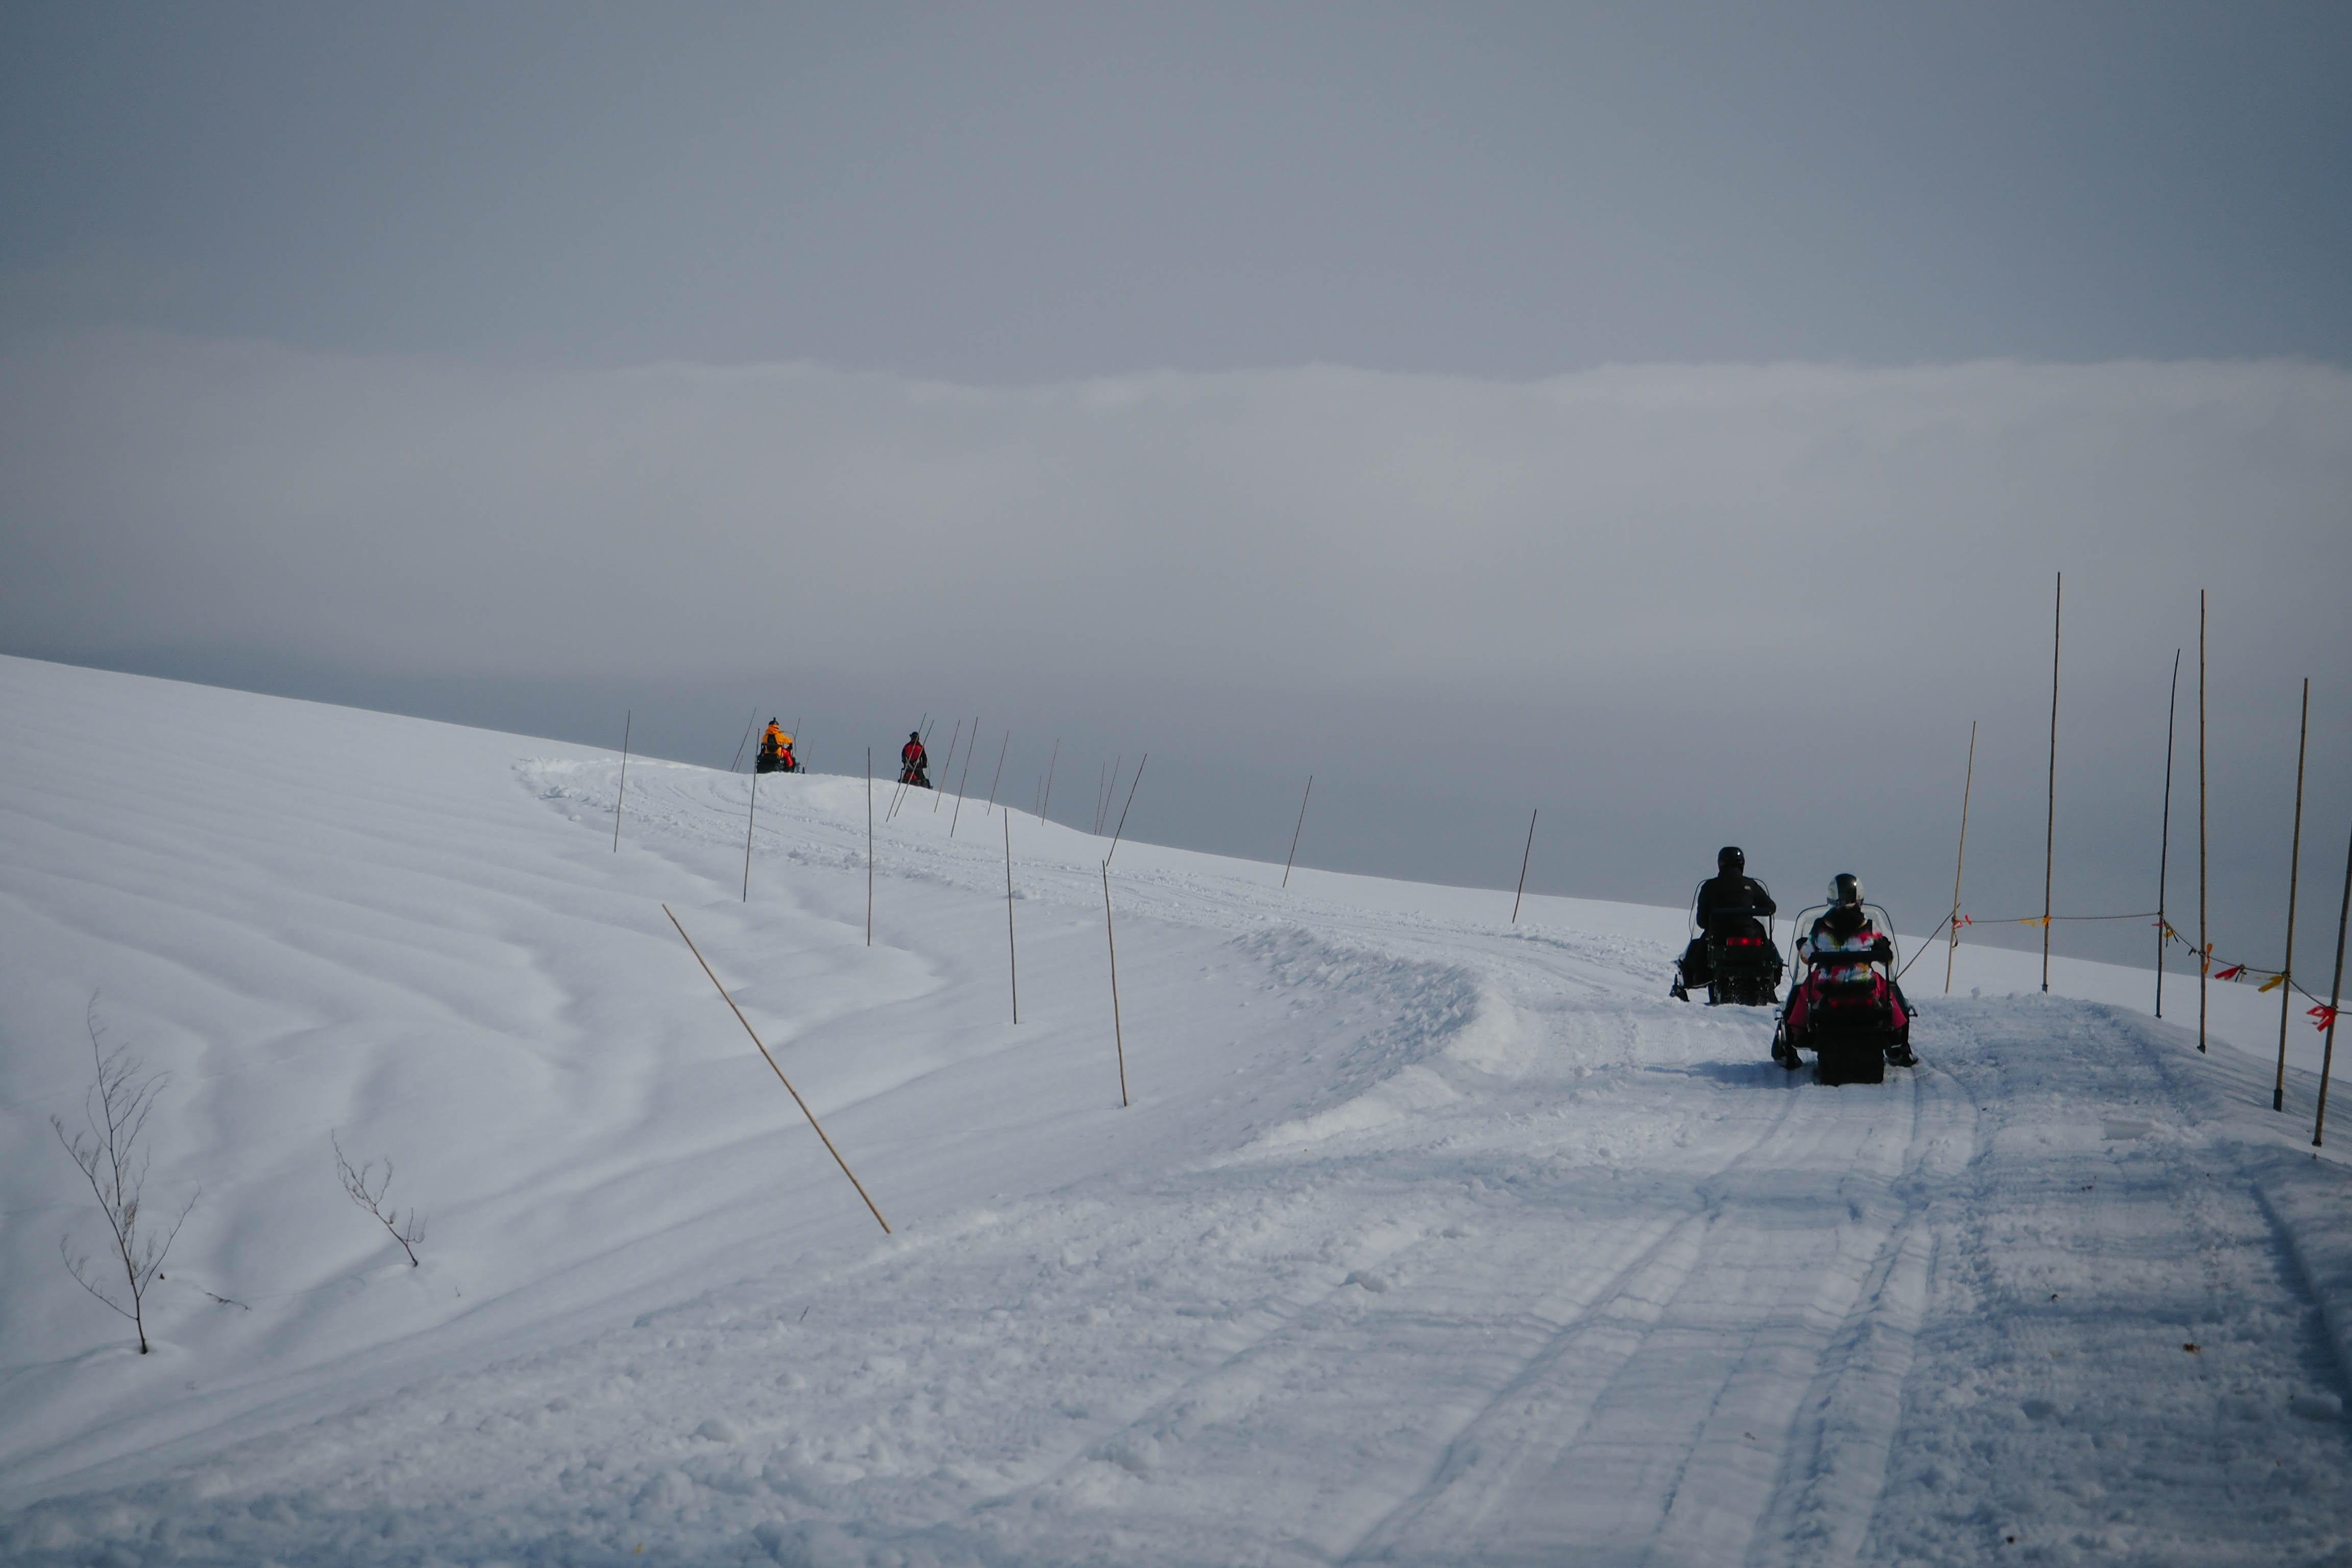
x=1845, y=1011
x=1736, y=962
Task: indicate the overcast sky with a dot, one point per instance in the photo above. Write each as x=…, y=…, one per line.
x=1672, y=416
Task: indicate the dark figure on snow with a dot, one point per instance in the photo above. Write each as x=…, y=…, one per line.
x=1839, y=951
x=914, y=762
x=1732, y=905
x=776, y=751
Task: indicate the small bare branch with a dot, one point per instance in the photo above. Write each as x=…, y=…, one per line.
x=114, y=1162
x=407, y=1229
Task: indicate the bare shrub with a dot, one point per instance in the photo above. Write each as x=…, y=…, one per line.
x=407, y=1229
x=113, y=1160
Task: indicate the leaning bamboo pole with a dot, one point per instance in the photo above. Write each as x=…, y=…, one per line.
x=2164, y=848
x=1118, y=1035
x=1123, y=810
x=1297, y=830
x=803, y=1104
x=2293, y=874
x=1524, y=855
x=965, y=777
x=623, y=792
x=749, y=823
x=2334, y=1000
x=2050, y=833
x=1045, y=798
x=1012, y=953
x=1960, y=860
x=869, y=847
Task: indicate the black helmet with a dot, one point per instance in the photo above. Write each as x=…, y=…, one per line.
x=1730, y=857
x=914, y=734
x=1846, y=887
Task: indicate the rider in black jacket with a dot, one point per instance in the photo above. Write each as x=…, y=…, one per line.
x=1731, y=893
x=1730, y=903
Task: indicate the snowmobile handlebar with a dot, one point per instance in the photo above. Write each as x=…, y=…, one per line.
x=1884, y=922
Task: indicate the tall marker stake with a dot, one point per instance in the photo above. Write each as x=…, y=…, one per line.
x=1960, y=861
x=1118, y=1039
x=747, y=824
x=1000, y=771
x=939, y=795
x=745, y=740
x=968, y=751
x=1524, y=854
x=1011, y=955
x=869, y=847
x=623, y=792
x=2050, y=834
x=2335, y=998
x=2204, y=942
x=1124, y=809
x=1296, y=831
x=1047, y=799
x=813, y=1121
x=2293, y=871
x=2164, y=854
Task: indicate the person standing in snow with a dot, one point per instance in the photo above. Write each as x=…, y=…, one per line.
x=914, y=762
x=1730, y=903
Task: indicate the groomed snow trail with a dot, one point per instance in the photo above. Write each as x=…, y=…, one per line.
x=1428, y=1240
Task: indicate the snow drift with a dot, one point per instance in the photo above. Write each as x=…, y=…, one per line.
x=1428, y=1238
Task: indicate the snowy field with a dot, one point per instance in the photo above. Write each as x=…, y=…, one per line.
x=1426, y=1239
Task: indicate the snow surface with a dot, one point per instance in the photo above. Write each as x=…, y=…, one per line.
x=1426, y=1239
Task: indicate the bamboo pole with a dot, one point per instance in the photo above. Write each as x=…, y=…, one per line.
x=803, y=1104
x=2335, y=999
x=1000, y=771
x=1012, y=953
x=939, y=795
x=958, y=814
x=623, y=792
x=2050, y=833
x=2204, y=939
x=2293, y=875
x=1524, y=855
x=1960, y=860
x=1117, y=764
x=1297, y=830
x=1118, y=1036
x=869, y=847
x=747, y=824
x=1124, y=809
x=746, y=740
x=2164, y=853
x=1045, y=800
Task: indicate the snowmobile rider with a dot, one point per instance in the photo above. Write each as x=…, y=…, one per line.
x=1730, y=903
x=1843, y=940
x=914, y=762
x=1730, y=894
x=776, y=751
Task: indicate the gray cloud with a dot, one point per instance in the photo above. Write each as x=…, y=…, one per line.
x=1021, y=193
x=1672, y=605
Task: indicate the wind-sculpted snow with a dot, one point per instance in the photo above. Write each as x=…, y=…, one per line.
x=1428, y=1238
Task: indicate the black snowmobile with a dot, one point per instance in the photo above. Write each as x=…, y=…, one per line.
x=1846, y=1010
x=1735, y=958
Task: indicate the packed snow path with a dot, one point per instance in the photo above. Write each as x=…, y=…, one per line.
x=1428, y=1239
